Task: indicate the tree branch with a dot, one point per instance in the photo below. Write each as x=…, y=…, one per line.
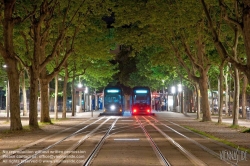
x=227, y=18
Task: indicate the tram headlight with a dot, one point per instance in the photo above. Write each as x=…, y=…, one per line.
x=112, y=107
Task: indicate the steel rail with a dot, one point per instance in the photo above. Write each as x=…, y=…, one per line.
x=157, y=151
x=54, y=144
x=189, y=155
x=193, y=141
x=41, y=140
x=77, y=144
x=99, y=145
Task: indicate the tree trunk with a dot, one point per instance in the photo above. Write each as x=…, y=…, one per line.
x=246, y=32
x=8, y=54
x=73, y=94
x=13, y=76
x=181, y=101
x=25, y=110
x=198, y=101
x=226, y=93
x=190, y=101
x=56, y=94
x=243, y=101
x=65, y=92
x=203, y=80
x=221, y=88
x=33, y=98
x=236, y=96
x=45, y=117
x=212, y=102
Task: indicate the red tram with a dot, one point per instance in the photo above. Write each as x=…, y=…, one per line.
x=140, y=101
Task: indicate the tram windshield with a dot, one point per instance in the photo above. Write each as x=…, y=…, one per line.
x=112, y=98
x=141, y=98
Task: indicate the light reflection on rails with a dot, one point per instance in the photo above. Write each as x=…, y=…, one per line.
x=192, y=140
x=99, y=145
x=77, y=144
x=189, y=155
x=52, y=145
x=41, y=140
x=157, y=151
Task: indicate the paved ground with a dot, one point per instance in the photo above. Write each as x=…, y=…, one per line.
x=12, y=140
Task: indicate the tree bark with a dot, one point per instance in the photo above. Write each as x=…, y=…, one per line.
x=221, y=88
x=236, y=97
x=45, y=117
x=25, y=110
x=226, y=93
x=246, y=32
x=198, y=101
x=33, y=98
x=243, y=97
x=204, y=94
x=13, y=76
x=73, y=95
x=8, y=54
x=65, y=83
x=212, y=102
x=56, y=102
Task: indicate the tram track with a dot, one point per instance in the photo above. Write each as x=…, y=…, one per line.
x=192, y=138
x=190, y=156
x=37, y=148
x=77, y=144
x=139, y=140
x=98, y=146
x=157, y=151
x=23, y=148
x=70, y=149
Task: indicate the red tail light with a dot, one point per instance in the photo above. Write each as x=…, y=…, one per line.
x=148, y=110
x=134, y=111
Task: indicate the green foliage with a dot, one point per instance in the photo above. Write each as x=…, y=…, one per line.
x=3, y=74
x=99, y=74
x=79, y=21
x=213, y=77
x=147, y=30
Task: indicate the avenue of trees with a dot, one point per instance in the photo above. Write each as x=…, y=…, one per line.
x=196, y=36
x=204, y=43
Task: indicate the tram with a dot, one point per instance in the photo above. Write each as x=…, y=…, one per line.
x=140, y=101
x=113, y=100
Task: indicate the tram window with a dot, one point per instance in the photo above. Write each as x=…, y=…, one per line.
x=141, y=99
x=113, y=99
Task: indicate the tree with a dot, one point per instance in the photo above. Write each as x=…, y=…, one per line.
x=54, y=24
x=7, y=51
x=244, y=96
x=238, y=15
x=236, y=25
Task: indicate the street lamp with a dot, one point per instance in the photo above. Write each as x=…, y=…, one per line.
x=85, y=98
x=80, y=95
x=180, y=90
x=80, y=85
x=173, y=89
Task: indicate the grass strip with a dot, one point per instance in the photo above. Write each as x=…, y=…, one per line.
x=218, y=139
